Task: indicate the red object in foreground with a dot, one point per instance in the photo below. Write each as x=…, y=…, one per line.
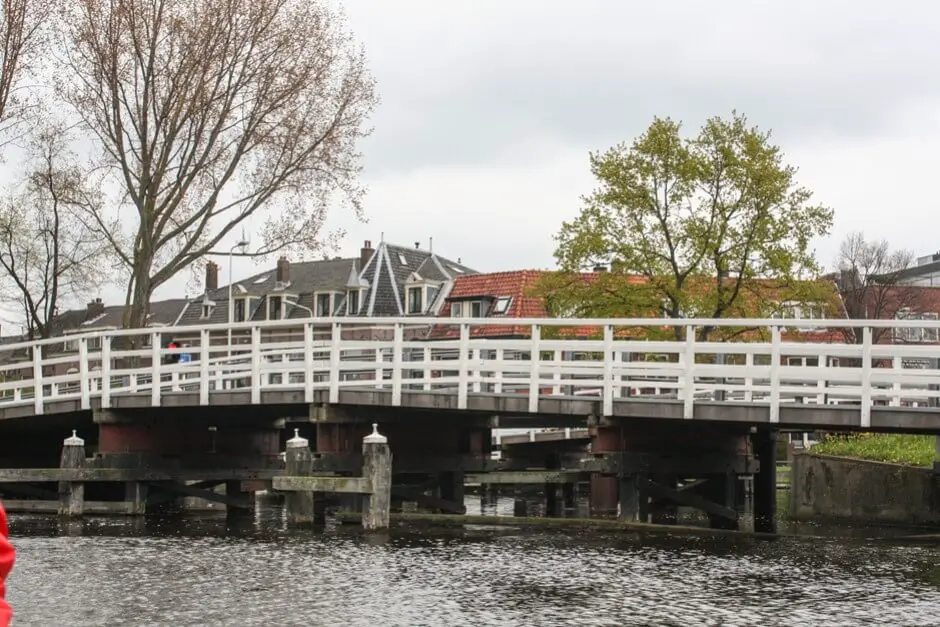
x=6, y=564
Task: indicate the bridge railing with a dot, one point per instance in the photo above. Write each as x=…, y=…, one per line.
x=610, y=360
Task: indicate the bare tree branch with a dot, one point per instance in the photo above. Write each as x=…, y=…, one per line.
x=47, y=254
x=870, y=282
x=208, y=114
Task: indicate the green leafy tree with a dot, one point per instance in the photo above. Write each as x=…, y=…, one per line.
x=670, y=214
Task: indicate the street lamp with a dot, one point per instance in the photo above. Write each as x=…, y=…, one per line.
x=243, y=244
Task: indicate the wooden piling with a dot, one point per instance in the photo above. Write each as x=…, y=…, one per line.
x=377, y=471
x=299, y=463
x=72, y=494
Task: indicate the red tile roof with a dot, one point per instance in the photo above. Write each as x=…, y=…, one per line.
x=515, y=284
x=519, y=284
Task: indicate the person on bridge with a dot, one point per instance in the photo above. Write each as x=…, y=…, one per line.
x=6, y=564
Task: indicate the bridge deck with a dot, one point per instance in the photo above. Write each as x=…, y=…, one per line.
x=775, y=379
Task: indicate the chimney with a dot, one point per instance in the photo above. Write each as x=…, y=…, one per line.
x=95, y=309
x=365, y=254
x=283, y=270
x=212, y=276
x=600, y=268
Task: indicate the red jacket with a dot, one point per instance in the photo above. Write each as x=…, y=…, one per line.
x=6, y=563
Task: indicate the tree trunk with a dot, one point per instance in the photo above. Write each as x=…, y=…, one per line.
x=138, y=305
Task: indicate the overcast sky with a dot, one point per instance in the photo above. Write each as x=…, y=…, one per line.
x=491, y=107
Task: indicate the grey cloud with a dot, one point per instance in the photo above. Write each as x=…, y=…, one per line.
x=594, y=73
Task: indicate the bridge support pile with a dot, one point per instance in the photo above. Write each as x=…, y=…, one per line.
x=375, y=483
x=154, y=461
x=433, y=452
x=647, y=470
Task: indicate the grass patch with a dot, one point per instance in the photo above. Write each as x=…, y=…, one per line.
x=910, y=450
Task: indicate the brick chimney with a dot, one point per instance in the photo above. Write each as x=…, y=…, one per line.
x=283, y=270
x=95, y=309
x=212, y=276
x=365, y=254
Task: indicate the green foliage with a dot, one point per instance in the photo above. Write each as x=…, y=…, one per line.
x=911, y=450
x=680, y=211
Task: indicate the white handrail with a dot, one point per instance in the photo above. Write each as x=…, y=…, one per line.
x=405, y=355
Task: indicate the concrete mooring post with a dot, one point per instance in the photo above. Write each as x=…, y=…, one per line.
x=72, y=493
x=299, y=463
x=377, y=471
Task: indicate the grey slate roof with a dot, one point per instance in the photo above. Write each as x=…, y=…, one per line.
x=383, y=281
x=389, y=270
x=305, y=278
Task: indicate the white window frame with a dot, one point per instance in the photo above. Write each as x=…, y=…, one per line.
x=430, y=291
x=283, y=311
x=916, y=335
x=464, y=309
x=246, y=308
x=334, y=297
x=358, y=293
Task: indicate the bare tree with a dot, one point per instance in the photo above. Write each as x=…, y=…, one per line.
x=869, y=279
x=47, y=254
x=209, y=114
x=21, y=37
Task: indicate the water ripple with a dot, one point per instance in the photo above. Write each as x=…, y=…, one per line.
x=204, y=574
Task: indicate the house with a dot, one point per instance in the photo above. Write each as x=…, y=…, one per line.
x=96, y=316
x=529, y=294
x=924, y=273
x=385, y=281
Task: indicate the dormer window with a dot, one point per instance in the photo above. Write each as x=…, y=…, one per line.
x=416, y=299
x=240, y=310
x=420, y=294
x=352, y=302
x=275, y=307
x=467, y=309
x=326, y=303
x=207, y=310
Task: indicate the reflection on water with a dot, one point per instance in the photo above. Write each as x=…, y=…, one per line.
x=204, y=571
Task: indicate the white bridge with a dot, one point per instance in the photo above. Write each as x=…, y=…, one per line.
x=612, y=368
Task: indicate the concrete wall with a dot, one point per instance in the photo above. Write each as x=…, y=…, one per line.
x=836, y=488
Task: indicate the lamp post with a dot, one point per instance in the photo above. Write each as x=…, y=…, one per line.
x=243, y=244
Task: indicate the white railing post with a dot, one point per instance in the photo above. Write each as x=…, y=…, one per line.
x=535, y=356
x=476, y=358
x=255, y=365
x=308, y=363
x=156, y=361
x=463, y=365
x=427, y=369
x=83, y=379
x=897, y=365
x=865, y=418
x=398, y=346
x=105, y=371
x=37, y=378
x=336, y=354
x=688, y=374
x=608, y=403
x=498, y=374
x=558, y=360
x=379, y=366
x=748, y=377
x=205, y=355
x=775, y=374
x=822, y=362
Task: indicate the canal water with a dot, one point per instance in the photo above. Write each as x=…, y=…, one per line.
x=202, y=570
